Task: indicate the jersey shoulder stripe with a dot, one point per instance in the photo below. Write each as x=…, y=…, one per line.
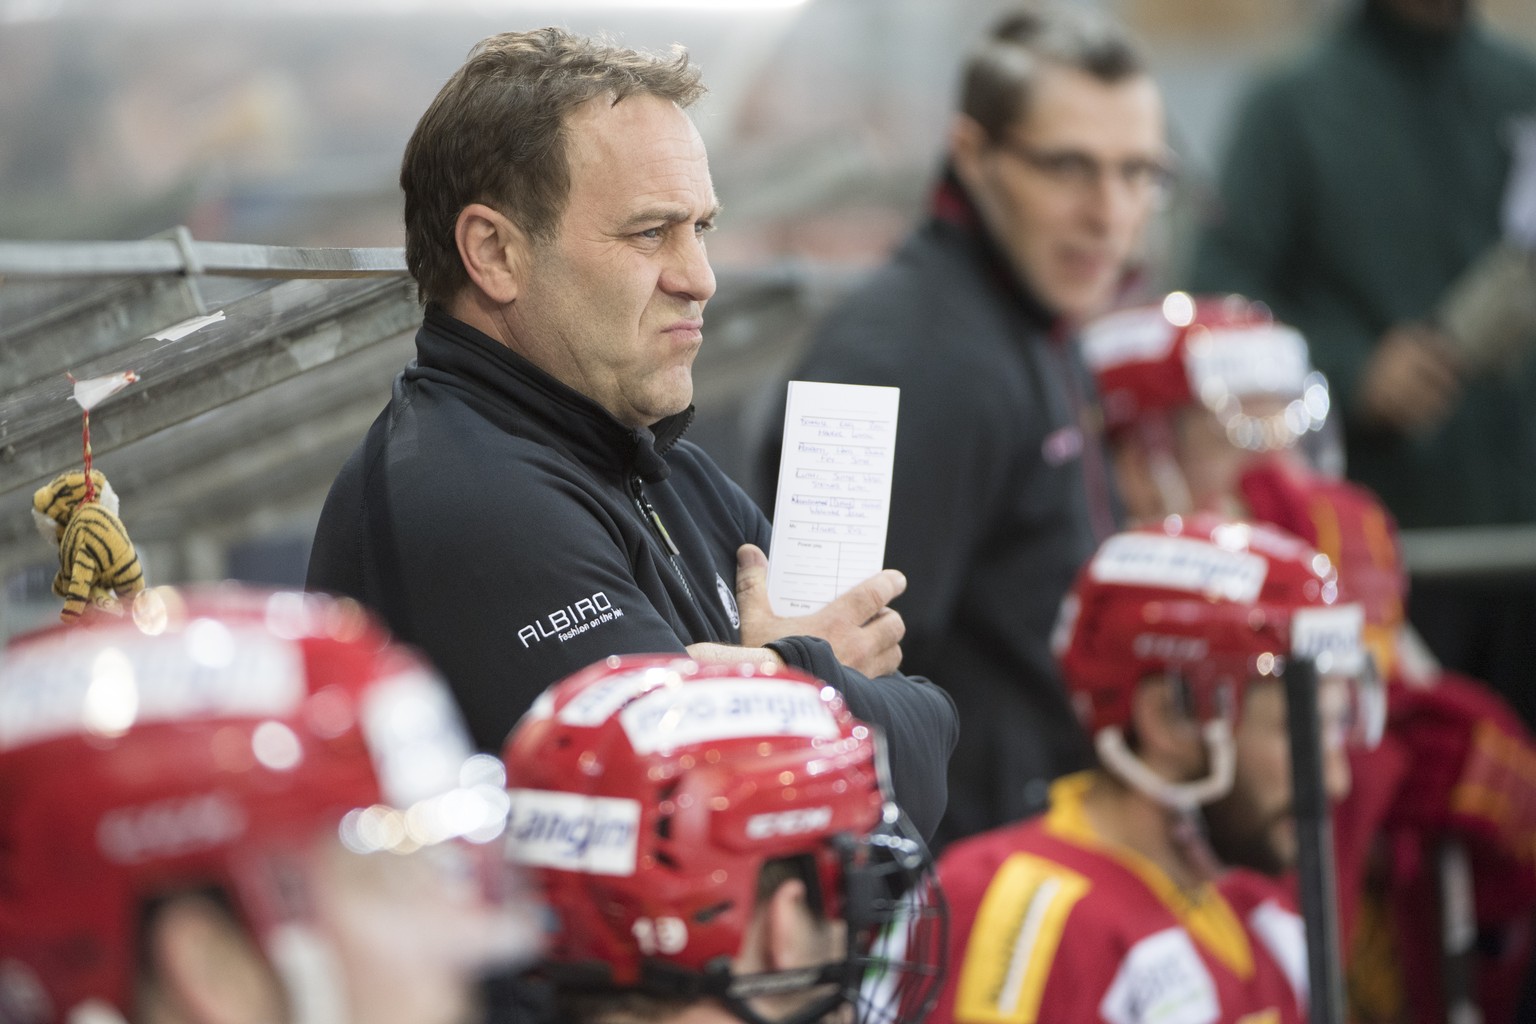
x=1014, y=939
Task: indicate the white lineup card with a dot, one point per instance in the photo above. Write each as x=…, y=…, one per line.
x=834, y=499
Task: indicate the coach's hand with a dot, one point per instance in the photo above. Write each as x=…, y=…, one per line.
x=864, y=632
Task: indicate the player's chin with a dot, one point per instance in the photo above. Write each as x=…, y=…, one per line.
x=1283, y=844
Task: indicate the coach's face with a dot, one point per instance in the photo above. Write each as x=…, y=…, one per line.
x=613, y=304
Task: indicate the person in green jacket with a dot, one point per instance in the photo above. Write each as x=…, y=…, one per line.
x=1364, y=182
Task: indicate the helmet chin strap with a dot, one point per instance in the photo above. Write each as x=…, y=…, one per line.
x=1117, y=756
x=95, y=1011
x=1168, y=478
x=310, y=974
x=1158, y=444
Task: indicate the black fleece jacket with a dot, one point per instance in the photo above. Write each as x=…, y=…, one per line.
x=516, y=532
x=1000, y=493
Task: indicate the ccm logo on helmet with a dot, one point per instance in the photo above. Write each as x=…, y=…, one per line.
x=789, y=823
x=1170, y=648
x=168, y=828
x=595, y=835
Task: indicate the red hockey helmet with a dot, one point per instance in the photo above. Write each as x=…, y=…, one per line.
x=649, y=792
x=1213, y=604
x=1222, y=351
x=211, y=737
x=1351, y=526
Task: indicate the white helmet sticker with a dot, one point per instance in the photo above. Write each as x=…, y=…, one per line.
x=591, y=834
x=1334, y=635
x=1180, y=563
x=599, y=702
x=1267, y=359
x=725, y=710
x=416, y=738
x=1129, y=336
x=74, y=682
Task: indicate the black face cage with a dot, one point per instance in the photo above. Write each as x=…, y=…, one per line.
x=898, y=939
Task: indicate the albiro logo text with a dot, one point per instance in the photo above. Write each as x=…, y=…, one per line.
x=572, y=620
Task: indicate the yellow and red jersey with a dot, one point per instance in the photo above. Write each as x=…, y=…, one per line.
x=1050, y=923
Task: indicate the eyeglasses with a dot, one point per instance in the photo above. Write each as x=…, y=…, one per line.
x=1072, y=168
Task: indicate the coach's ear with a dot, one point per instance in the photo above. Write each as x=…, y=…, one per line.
x=494, y=250
x=205, y=968
x=968, y=144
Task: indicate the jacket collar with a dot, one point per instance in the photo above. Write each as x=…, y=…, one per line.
x=510, y=388
x=951, y=208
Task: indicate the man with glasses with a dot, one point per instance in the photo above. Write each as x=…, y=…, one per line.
x=1056, y=160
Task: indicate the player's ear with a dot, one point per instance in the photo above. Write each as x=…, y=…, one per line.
x=794, y=936
x=1167, y=737
x=1133, y=473
x=206, y=966
x=494, y=250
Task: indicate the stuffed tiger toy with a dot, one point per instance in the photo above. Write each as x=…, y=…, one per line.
x=97, y=561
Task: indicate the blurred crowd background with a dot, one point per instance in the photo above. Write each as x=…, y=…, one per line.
x=283, y=122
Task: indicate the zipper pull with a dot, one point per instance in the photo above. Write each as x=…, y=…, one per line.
x=661, y=529
x=649, y=511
